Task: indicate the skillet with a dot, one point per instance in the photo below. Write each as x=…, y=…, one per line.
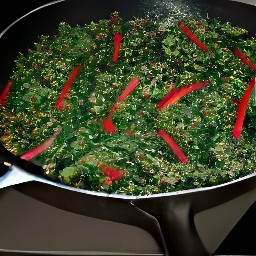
x=168, y=217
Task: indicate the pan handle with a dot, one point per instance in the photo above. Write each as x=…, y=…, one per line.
x=179, y=228
x=3, y=168
x=176, y=220
x=8, y=159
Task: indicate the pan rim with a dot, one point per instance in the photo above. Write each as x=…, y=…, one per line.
x=36, y=178
x=123, y=196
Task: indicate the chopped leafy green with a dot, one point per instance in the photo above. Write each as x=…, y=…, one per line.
x=165, y=59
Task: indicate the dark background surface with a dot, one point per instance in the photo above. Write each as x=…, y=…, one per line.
x=10, y=10
x=242, y=239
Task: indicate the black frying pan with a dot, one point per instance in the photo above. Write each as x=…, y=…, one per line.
x=168, y=217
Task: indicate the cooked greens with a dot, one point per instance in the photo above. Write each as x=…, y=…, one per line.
x=135, y=160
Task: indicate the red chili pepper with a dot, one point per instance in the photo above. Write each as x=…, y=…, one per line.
x=192, y=37
x=107, y=123
x=111, y=173
x=241, y=110
x=244, y=59
x=4, y=94
x=117, y=43
x=173, y=145
x=129, y=88
x=165, y=99
x=39, y=149
x=59, y=104
x=179, y=93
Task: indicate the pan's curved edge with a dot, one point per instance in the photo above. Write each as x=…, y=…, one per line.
x=164, y=208
x=250, y=2
x=235, y=183
x=25, y=15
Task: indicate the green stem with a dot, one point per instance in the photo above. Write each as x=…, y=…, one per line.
x=254, y=96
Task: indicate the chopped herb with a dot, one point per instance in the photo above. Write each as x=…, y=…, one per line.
x=242, y=108
x=112, y=77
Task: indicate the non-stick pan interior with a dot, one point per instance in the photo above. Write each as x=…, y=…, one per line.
x=23, y=33
x=21, y=36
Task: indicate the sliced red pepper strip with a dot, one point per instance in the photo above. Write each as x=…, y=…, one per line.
x=4, y=94
x=173, y=145
x=244, y=59
x=241, y=110
x=65, y=89
x=179, y=93
x=107, y=123
x=117, y=44
x=39, y=149
x=128, y=90
x=165, y=99
x=192, y=37
x=111, y=173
